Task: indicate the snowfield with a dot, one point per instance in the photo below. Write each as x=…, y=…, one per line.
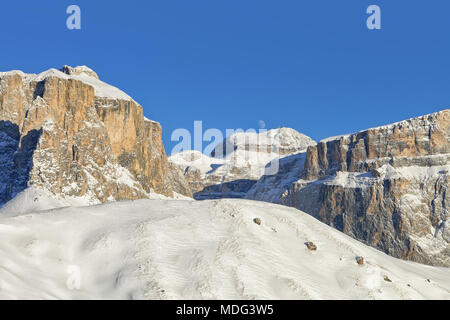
x=177, y=249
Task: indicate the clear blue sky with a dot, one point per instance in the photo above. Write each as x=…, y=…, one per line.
x=310, y=65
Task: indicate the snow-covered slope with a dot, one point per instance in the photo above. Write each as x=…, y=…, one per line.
x=196, y=159
x=37, y=199
x=167, y=249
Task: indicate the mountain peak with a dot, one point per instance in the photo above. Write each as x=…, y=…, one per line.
x=282, y=140
x=79, y=70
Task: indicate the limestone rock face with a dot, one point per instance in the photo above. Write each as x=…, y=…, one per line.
x=386, y=186
x=136, y=143
x=404, y=212
x=423, y=141
x=75, y=136
x=179, y=182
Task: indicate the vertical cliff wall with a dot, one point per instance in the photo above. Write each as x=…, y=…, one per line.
x=71, y=134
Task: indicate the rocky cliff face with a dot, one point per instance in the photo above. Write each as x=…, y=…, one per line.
x=271, y=188
x=386, y=186
x=422, y=141
x=238, y=162
x=71, y=134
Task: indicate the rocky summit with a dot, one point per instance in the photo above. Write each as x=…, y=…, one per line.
x=237, y=163
x=386, y=186
x=67, y=132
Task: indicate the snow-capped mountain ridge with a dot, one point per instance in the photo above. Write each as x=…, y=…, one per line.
x=403, y=123
x=280, y=141
x=238, y=162
x=81, y=73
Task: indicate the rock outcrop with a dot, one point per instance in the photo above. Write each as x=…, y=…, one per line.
x=386, y=186
x=71, y=134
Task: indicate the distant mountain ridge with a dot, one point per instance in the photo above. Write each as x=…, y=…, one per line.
x=238, y=162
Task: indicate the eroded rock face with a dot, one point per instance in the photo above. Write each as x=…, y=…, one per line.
x=404, y=213
x=136, y=143
x=71, y=134
x=423, y=141
x=386, y=186
x=179, y=182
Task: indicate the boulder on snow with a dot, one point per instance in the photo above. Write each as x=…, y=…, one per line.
x=311, y=246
